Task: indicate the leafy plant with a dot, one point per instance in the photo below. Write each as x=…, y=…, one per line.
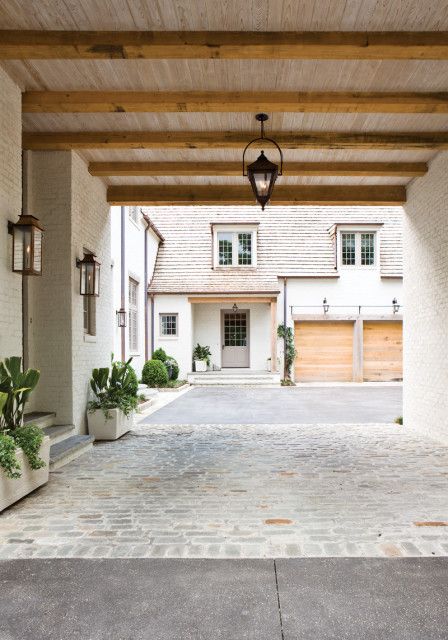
x=202, y=353
x=159, y=354
x=399, y=420
x=287, y=382
x=8, y=458
x=154, y=374
x=172, y=368
x=29, y=438
x=114, y=388
x=17, y=386
x=290, y=350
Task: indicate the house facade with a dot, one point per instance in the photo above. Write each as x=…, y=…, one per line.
x=227, y=277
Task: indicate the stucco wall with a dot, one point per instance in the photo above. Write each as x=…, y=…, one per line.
x=181, y=346
x=10, y=207
x=72, y=207
x=426, y=300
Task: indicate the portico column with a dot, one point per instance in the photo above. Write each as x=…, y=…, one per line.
x=273, y=335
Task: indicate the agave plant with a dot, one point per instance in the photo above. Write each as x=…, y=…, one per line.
x=17, y=386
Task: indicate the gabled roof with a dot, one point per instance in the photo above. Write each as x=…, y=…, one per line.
x=292, y=241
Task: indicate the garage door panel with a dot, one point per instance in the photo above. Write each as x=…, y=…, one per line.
x=324, y=351
x=383, y=351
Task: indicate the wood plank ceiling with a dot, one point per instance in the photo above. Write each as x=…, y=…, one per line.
x=163, y=104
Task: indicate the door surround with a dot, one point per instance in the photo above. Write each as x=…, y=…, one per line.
x=231, y=312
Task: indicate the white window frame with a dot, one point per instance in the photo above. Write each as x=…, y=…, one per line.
x=164, y=336
x=358, y=230
x=133, y=308
x=234, y=230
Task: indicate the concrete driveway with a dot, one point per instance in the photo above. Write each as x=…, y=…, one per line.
x=294, y=405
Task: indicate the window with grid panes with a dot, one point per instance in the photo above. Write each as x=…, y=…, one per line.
x=348, y=249
x=133, y=315
x=168, y=324
x=244, y=248
x=358, y=248
x=367, y=249
x=225, y=248
x=235, y=248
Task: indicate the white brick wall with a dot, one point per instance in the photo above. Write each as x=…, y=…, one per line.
x=426, y=302
x=74, y=212
x=10, y=207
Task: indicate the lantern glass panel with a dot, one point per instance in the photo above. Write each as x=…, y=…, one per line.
x=96, y=280
x=262, y=181
x=37, y=254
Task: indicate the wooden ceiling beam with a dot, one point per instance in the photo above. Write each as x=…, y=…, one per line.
x=387, y=45
x=241, y=195
x=376, y=169
x=67, y=140
x=232, y=102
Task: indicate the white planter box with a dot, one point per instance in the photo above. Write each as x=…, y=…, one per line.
x=12, y=489
x=110, y=428
x=200, y=365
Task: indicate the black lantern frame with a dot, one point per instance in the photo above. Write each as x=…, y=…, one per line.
x=325, y=305
x=27, y=234
x=262, y=166
x=122, y=317
x=89, y=275
x=395, y=305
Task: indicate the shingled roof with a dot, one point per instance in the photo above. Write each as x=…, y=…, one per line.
x=292, y=241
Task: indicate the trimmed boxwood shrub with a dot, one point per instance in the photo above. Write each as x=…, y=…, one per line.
x=154, y=374
x=159, y=354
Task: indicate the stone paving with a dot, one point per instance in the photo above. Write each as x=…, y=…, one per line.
x=225, y=491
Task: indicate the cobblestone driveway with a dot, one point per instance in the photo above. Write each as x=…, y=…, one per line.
x=241, y=491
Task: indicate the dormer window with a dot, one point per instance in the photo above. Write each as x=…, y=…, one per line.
x=234, y=246
x=358, y=247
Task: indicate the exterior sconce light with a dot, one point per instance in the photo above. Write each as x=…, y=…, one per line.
x=235, y=308
x=325, y=305
x=262, y=173
x=121, y=317
x=26, y=245
x=89, y=281
x=395, y=305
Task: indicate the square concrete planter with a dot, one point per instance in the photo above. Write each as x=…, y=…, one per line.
x=13, y=489
x=200, y=365
x=112, y=427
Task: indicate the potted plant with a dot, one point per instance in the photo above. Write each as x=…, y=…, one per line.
x=201, y=358
x=111, y=414
x=24, y=450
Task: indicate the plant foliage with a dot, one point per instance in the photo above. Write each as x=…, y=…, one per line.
x=114, y=388
x=290, y=350
x=159, y=354
x=154, y=373
x=202, y=353
x=172, y=368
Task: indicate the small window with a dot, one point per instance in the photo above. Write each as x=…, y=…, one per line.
x=133, y=315
x=168, y=324
x=89, y=313
x=235, y=248
x=134, y=214
x=358, y=248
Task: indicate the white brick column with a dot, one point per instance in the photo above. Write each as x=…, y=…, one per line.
x=426, y=302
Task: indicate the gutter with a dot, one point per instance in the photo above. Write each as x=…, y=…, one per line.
x=122, y=279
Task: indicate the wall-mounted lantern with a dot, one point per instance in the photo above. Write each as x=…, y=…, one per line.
x=26, y=245
x=262, y=173
x=121, y=317
x=89, y=281
x=235, y=308
x=325, y=305
x=395, y=305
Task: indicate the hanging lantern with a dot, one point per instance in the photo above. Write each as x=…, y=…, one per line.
x=395, y=305
x=89, y=282
x=27, y=246
x=121, y=317
x=262, y=173
x=235, y=308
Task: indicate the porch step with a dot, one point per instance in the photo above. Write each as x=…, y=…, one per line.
x=58, y=432
x=69, y=449
x=218, y=378
x=41, y=419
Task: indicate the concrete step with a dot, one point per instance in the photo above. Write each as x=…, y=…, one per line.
x=58, y=432
x=41, y=419
x=69, y=449
x=218, y=379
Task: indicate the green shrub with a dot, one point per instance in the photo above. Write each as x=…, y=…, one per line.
x=399, y=420
x=159, y=354
x=8, y=458
x=154, y=374
x=172, y=368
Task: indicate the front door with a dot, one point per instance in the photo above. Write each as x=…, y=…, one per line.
x=235, y=339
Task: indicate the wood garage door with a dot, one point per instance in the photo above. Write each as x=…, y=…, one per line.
x=383, y=351
x=324, y=351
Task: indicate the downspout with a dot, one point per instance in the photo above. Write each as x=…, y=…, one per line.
x=146, y=292
x=285, y=325
x=25, y=209
x=122, y=269
x=152, y=324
